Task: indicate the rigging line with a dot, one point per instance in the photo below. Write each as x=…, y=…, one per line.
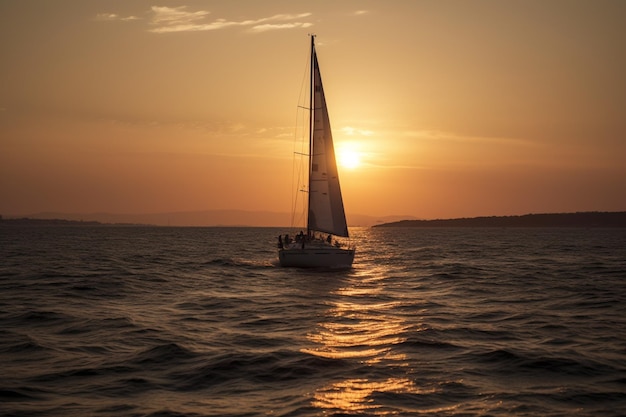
x=296, y=170
x=313, y=72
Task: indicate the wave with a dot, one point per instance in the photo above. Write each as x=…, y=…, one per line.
x=232, y=262
x=531, y=364
x=244, y=369
x=168, y=354
x=189, y=322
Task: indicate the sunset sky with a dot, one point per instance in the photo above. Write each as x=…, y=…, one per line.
x=449, y=108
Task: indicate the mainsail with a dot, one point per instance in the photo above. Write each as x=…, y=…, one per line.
x=326, y=212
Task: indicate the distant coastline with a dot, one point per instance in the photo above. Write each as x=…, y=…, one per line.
x=203, y=218
x=582, y=219
x=27, y=221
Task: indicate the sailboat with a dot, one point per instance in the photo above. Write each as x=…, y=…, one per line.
x=326, y=218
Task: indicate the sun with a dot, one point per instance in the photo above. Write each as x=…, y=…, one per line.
x=348, y=156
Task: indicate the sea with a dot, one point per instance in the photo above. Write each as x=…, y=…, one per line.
x=167, y=321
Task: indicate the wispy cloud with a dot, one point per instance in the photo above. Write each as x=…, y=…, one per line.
x=175, y=16
x=438, y=135
x=278, y=26
x=179, y=19
x=114, y=17
x=348, y=130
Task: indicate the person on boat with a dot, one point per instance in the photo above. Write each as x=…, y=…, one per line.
x=280, y=241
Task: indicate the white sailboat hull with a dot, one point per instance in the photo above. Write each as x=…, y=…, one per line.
x=316, y=257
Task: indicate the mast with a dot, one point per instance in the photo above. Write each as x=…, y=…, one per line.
x=311, y=128
x=325, y=203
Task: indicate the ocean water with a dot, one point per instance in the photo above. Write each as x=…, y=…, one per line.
x=113, y=321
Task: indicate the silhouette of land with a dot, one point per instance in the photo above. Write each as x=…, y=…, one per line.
x=204, y=218
x=584, y=219
x=26, y=221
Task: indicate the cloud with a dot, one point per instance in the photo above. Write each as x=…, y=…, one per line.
x=260, y=26
x=268, y=26
x=179, y=19
x=114, y=17
x=173, y=16
x=437, y=135
x=164, y=19
x=354, y=131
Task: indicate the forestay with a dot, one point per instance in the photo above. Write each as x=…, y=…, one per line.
x=326, y=212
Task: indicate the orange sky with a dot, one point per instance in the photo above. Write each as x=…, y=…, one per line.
x=456, y=108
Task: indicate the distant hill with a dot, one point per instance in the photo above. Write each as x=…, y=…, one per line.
x=26, y=221
x=195, y=218
x=584, y=219
x=271, y=219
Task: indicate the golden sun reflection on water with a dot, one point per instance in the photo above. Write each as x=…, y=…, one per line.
x=354, y=394
x=368, y=339
x=359, y=328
